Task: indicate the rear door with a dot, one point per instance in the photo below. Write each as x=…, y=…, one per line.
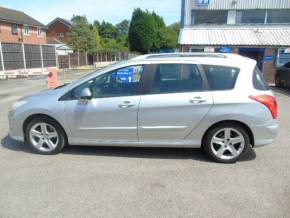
x=176, y=103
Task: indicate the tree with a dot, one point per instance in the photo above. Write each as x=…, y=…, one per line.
x=142, y=31
x=123, y=28
x=107, y=30
x=160, y=27
x=78, y=36
x=96, y=39
x=169, y=36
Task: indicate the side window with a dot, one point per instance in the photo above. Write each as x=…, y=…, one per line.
x=176, y=78
x=258, y=80
x=121, y=82
x=220, y=77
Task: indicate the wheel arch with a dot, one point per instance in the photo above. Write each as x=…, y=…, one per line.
x=243, y=125
x=34, y=116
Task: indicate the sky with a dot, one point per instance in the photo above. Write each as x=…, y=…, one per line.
x=113, y=11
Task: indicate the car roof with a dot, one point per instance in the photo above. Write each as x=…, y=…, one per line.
x=202, y=58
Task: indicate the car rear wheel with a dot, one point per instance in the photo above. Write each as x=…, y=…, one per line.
x=45, y=136
x=278, y=82
x=226, y=143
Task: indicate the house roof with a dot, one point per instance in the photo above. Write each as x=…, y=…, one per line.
x=64, y=21
x=277, y=36
x=53, y=41
x=19, y=17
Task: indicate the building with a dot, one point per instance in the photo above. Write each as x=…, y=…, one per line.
x=259, y=29
x=18, y=27
x=60, y=47
x=59, y=29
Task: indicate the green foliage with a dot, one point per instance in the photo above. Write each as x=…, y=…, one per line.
x=142, y=31
x=79, y=37
x=160, y=30
x=96, y=39
x=145, y=33
x=123, y=28
x=169, y=36
x=148, y=33
x=107, y=30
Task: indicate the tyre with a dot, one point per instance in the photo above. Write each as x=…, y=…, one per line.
x=45, y=136
x=278, y=82
x=226, y=143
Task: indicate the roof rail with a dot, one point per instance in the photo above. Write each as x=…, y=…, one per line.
x=185, y=55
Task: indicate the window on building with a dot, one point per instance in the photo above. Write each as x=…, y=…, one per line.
x=209, y=17
x=14, y=29
x=251, y=16
x=39, y=32
x=278, y=16
x=176, y=78
x=283, y=57
x=26, y=29
x=202, y=2
x=61, y=35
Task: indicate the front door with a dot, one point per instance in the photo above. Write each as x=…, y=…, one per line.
x=176, y=104
x=111, y=115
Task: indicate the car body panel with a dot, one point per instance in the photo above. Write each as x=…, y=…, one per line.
x=163, y=120
x=166, y=120
x=103, y=119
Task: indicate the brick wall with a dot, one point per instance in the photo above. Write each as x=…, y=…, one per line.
x=56, y=28
x=7, y=36
x=269, y=68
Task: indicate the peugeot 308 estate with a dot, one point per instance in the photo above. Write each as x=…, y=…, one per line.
x=184, y=100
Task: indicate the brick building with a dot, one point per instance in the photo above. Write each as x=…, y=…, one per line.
x=18, y=27
x=58, y=29
x=259, y=29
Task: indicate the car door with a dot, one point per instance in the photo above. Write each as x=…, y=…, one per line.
x=111, y=115
x=176, y=104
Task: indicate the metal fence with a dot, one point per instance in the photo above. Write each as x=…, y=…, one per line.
x=19, y=56
x=1, y=59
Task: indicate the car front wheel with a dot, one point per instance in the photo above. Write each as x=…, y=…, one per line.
x=45, y=136
x=226, y=143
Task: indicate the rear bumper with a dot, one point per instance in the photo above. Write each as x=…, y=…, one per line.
x=265, y=134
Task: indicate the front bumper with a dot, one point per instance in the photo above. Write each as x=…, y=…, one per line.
x=15, y=127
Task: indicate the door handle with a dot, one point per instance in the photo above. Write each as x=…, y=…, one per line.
x=126, y=104
x=197, y=100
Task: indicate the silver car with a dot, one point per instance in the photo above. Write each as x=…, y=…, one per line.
x=184, y=100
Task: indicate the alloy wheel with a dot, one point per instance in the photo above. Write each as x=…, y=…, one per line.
x=44, y=137
x=227, y=143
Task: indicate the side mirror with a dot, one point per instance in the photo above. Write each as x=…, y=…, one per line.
x=86, y=94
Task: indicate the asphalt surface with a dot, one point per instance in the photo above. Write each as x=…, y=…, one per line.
x=140, y=182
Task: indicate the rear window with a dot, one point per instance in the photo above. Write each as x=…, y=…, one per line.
x=221, y=77
x=259, y=81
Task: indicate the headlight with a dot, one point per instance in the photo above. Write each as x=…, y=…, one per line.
x=17, y=104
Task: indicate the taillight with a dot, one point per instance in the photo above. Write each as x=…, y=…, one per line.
x=269, y=101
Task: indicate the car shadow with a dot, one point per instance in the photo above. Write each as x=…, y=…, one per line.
x=128, y=152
